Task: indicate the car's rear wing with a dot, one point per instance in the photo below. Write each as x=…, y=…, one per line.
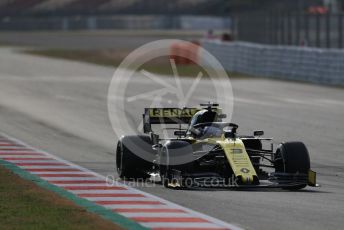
x=167, y=116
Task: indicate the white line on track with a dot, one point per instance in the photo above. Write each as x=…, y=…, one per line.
x=159, y=214
x=47, y=167
x=68, y=178
x=119, y=199
x=182, y=225
x=62, y=172
x=34, y=161
x=22, y=156
x=103, y=191
x=83, y=185
x=116, y=206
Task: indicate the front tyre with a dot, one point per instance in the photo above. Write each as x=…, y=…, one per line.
x=167, y=167
x=293, y=159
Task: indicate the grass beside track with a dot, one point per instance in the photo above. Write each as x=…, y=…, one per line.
x=115, y=57
x=24, y=205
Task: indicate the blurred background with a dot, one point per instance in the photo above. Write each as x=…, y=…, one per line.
x=316, y=23
x=289, y=39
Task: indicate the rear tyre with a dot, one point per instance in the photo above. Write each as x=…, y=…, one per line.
x=128, y=164
x=294, y=159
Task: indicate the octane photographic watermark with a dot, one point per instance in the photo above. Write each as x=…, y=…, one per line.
x=112, y=180
x=134, y=88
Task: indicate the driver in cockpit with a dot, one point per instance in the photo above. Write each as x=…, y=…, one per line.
x=207, y=131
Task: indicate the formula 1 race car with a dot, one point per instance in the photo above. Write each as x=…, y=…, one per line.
x=210, y=152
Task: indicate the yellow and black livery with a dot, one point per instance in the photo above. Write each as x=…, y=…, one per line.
x=209, y=152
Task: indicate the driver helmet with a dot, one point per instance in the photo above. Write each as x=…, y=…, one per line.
x=203, y=116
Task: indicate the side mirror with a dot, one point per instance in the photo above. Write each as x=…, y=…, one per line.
x=180, y=133
x=258, y=133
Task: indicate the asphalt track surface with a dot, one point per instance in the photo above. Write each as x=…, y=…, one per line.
x=61, y=107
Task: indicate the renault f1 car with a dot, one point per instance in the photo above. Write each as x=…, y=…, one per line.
x=210, y=152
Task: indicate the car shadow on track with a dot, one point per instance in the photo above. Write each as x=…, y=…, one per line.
x=149, y=183
x=252, y=190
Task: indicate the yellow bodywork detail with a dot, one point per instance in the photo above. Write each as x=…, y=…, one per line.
x=238, y=159
x=312, y=178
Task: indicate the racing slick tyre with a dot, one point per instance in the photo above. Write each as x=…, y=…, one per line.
x=129, y=164
x=294, y=160
x=167, y=169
